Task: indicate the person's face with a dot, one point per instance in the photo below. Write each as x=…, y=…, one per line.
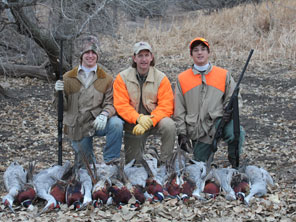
x=200, y=55
x=143, y=60
x=89, y=59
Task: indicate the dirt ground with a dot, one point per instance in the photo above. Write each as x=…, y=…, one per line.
x=28, y=131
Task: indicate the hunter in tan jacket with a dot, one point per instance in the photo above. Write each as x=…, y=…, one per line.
x=143, y=97
x=88, y=106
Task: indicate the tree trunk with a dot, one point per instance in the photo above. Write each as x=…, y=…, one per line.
x=2, y=93
x=44, y=40
x=38, y=72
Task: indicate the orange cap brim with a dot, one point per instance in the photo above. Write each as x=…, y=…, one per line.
x=200, y=40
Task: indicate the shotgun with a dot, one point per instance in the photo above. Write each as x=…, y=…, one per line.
x=60, y=109
x=232, y=105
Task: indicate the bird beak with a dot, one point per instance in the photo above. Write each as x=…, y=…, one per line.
x=10, y=207
x=46, y=208
x=84, y=205
x=7, y=204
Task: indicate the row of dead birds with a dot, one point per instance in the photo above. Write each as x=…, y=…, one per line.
x=147, y=180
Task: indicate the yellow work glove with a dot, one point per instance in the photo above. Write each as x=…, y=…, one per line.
x=138, y=130
x=145, y=121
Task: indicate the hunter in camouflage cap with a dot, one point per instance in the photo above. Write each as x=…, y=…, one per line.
x=89, y=43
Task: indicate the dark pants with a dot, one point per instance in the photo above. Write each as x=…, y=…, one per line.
x=202, y=151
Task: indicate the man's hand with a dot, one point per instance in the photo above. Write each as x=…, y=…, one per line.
x=227, y=115
x=145, y=121
x=184, y=143
x=138, y=130
x=59, y=85
x=100, y=122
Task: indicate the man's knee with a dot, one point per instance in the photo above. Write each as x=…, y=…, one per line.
x=201, y=151
x=167, y=125
x=115, y=123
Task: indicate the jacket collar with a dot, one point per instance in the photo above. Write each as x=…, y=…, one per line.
x=196, y=72
x=133, y=75
x=150, y=77
x=74, y=73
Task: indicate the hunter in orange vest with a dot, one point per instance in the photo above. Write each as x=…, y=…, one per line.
x=201, y=94
x=144, y=99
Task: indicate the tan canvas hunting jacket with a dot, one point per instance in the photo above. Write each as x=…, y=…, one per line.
x=200, y=100
x=157, y=95
x=82, y=105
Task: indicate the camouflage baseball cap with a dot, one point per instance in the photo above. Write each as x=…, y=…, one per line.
x=89, y=43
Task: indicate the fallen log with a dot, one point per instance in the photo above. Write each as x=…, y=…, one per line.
x=16, y=70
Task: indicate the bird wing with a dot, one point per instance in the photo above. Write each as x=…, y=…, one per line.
x=267, y=177
x=15, y=176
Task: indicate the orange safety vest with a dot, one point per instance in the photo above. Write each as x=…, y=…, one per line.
x=215, y=78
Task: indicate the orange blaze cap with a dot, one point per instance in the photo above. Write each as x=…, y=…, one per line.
x=201, y=40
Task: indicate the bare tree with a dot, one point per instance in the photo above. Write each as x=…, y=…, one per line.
x=39, y=25
x=47, y=22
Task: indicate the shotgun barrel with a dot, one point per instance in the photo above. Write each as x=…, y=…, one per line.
x=60, y=109
x=232, y=102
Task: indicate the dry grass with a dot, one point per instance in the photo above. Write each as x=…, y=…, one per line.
x=269, y=28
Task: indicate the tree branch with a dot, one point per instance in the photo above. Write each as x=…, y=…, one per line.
x=20, y=4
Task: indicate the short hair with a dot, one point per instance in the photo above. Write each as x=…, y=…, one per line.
x=152, y=63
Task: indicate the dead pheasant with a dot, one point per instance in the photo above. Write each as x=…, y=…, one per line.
x=259, y=179
x=187, y=187
x=173, y=186
x=79, y=190
x=121, y=188
x=156, y=177
x=74, y=193
x=58, y=189
x=120, y=194
x=102, y=175
x=137, y=176
x=175, y=177
x=45, y=179
x=15, y=176
x=197, y=172
x=223, y=176
x=28, y=193
x=212, y=189
x=139, y=193
x=241, y=186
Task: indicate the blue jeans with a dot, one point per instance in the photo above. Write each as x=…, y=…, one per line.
x=113, y=132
